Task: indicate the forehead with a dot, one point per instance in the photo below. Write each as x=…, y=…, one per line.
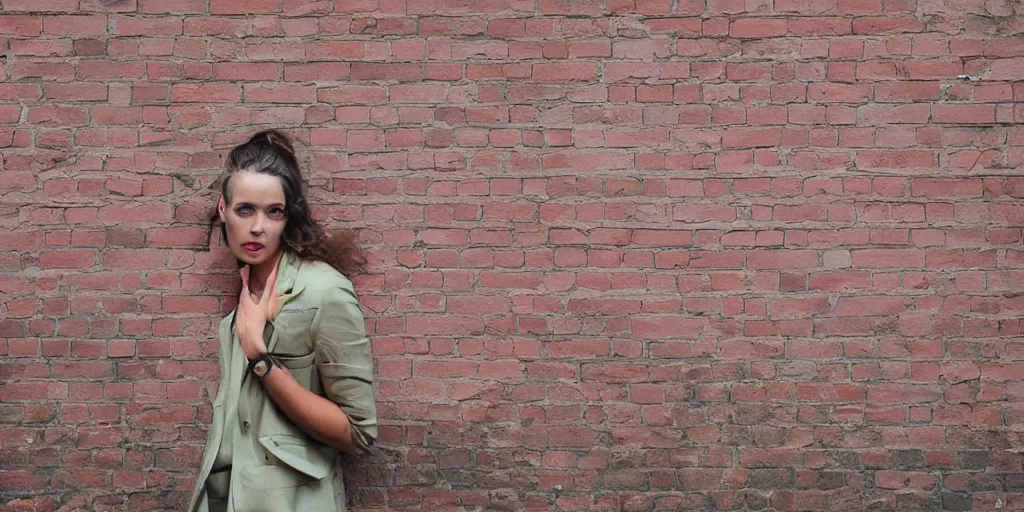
x=256, y=188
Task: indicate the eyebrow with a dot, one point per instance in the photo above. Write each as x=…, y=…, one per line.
x=250, y=203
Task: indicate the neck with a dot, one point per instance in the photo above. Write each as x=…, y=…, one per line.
x=259, y=274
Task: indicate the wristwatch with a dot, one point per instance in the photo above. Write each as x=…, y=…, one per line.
x=261, y=364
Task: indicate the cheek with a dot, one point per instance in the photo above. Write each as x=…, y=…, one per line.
x=235, y=225
x=277, y=232
x=233, y=222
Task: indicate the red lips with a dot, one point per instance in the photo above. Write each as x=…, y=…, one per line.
x=252, y=246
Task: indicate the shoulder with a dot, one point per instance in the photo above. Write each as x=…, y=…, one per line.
x=321, y=281
x=333, y=297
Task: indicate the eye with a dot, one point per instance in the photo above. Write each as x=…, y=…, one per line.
x=245, y=209
x=277, y=213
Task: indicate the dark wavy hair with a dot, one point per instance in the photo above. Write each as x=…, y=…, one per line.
x=271, y=152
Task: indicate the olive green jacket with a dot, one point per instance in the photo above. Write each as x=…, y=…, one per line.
x=320, y=337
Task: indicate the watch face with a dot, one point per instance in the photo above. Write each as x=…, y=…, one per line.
x=260, y=368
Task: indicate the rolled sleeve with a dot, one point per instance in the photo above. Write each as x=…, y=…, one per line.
x=345, y=362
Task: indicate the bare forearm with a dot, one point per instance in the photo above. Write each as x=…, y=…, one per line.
x=322, y=419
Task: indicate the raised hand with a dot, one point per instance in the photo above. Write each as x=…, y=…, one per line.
x=254, y=312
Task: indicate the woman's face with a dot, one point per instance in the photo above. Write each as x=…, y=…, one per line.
x=254, y=217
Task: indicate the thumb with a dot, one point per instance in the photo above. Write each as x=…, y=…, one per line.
x=273, y=306
x=245, y=297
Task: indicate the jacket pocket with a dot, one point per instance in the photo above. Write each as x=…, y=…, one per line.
x=298, y=478
x=301, y=367
x=292, y=329
x=264, y=488
x=296, y=362
x=298, y=454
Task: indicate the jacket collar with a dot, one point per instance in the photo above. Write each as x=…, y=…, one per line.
x=288, y=285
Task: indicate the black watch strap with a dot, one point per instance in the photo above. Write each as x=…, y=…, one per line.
x=261, y=365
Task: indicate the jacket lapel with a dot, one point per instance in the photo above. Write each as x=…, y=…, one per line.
x=225, y=335
x=288, y=287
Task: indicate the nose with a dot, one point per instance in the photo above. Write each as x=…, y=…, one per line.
x=258, y=224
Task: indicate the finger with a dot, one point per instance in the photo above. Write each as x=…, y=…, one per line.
x=244, y=299
x=245, y=296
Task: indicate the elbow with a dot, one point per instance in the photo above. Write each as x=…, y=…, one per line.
x=353, y=450
x=341, y=442
x=351, y=447
x=351, y=441
x=360, y=442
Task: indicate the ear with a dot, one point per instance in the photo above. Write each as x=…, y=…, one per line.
x=221, y=205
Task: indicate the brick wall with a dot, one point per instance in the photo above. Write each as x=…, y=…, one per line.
x=626, y=255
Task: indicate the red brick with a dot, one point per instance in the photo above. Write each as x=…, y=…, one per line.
x=123, y=26
x=939, y=187
x=169, y=7
x=279, y=93
x=58, y=115
x=383, y=71
x=758, y=27
x=1006, y=69
x=109, y=70
x=564, y=72
x=73, y=259
x=246, y=71
x=21, y=25
x=960, y=114
x=842, y=93
x=244, y=7
x=895, y=159
x=46, y=70
x=205, y=93
x=42, y=6
x=317, y=71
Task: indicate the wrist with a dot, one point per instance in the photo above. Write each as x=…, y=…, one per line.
x=253, y=349
x=255, y=354
x=262, y=365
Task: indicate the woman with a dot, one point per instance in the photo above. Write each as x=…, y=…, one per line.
x=296, y=370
